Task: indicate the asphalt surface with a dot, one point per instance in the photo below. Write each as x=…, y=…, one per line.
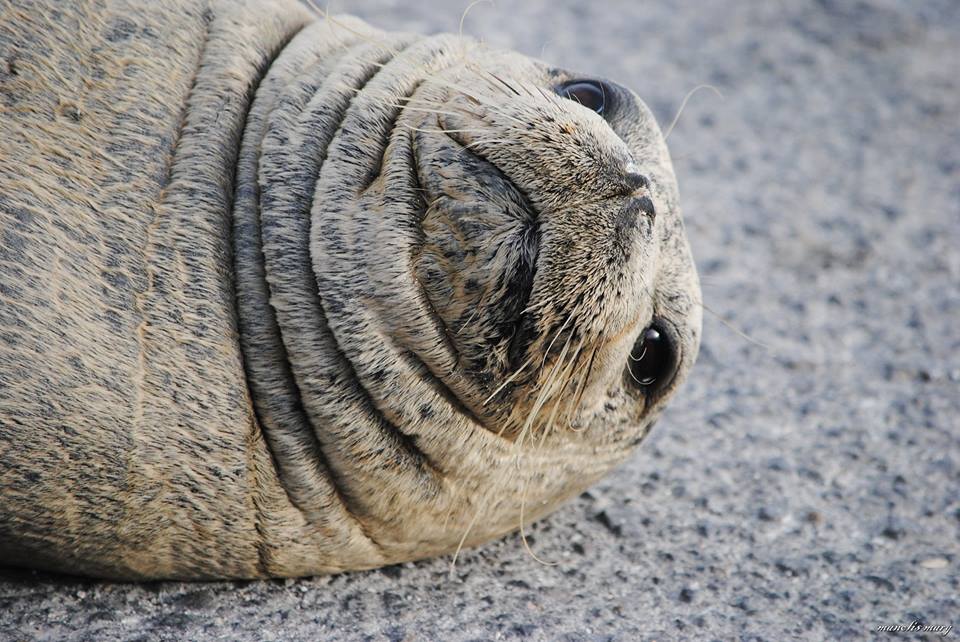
x=805, y=483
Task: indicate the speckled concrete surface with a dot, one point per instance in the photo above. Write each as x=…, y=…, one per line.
x=806, y=482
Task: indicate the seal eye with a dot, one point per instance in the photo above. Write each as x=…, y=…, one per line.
x=589, y=93
x=653, y=360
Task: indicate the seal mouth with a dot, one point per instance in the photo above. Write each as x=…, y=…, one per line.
x=455, y=202
x=391, y=143
x=401, y=144
x=523, y=332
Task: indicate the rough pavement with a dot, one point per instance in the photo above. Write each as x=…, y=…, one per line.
x=806, y=481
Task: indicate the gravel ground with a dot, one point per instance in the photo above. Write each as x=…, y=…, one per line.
x=806, y=481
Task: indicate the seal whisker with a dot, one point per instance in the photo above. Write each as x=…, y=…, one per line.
x=724, y=321
x=471, y=94
x=398, y=105
x=328, y=18
x=733, y=328
x=463, y=538
x=472, y=316
x=549, y=349
x=572, y=378
x=523, y=534
x=463, y=16
x=481, y=73
x=437, y=130
x=683, y=105
x=509, y=379
x=504, y=83
x=527, y=88
x=488, y=102
x=495, y=110
x=542, y=395
x=486, y=141
x=578, y=397
x=560, y=384
x=578, y=382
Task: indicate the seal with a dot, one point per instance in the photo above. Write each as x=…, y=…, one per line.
x=285, y=295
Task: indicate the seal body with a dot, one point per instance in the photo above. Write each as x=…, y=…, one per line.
x=258, y=316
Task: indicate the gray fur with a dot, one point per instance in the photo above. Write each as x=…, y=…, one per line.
x=285, y=296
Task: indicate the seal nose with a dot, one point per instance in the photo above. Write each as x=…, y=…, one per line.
x=633, y=178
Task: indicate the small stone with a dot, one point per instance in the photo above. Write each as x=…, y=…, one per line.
x=777, y=463
x=615, y=529
x=814, y=517
x=770, y=513
x=895, y=530
x=935, y=562
x=743, y=604
x=881, y=582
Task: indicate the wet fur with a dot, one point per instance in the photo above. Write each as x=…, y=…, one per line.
x=263, y=316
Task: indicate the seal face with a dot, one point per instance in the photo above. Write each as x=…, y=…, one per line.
x=389, y=295
x=544, y=256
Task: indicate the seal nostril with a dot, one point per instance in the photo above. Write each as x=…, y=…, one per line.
x=653, y=361
x=646, y=206
x=634, y=179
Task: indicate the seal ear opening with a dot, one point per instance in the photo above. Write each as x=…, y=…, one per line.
x=653, y=362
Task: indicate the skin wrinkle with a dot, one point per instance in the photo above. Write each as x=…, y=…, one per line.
x=320, y=320
x=303, y=327
x=429, y=48
x=264, y=562
x=221, y=119
x=275, y=359
x=248, y=251
x=393, y=287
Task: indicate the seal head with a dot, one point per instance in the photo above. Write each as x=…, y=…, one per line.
x=479, y=291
